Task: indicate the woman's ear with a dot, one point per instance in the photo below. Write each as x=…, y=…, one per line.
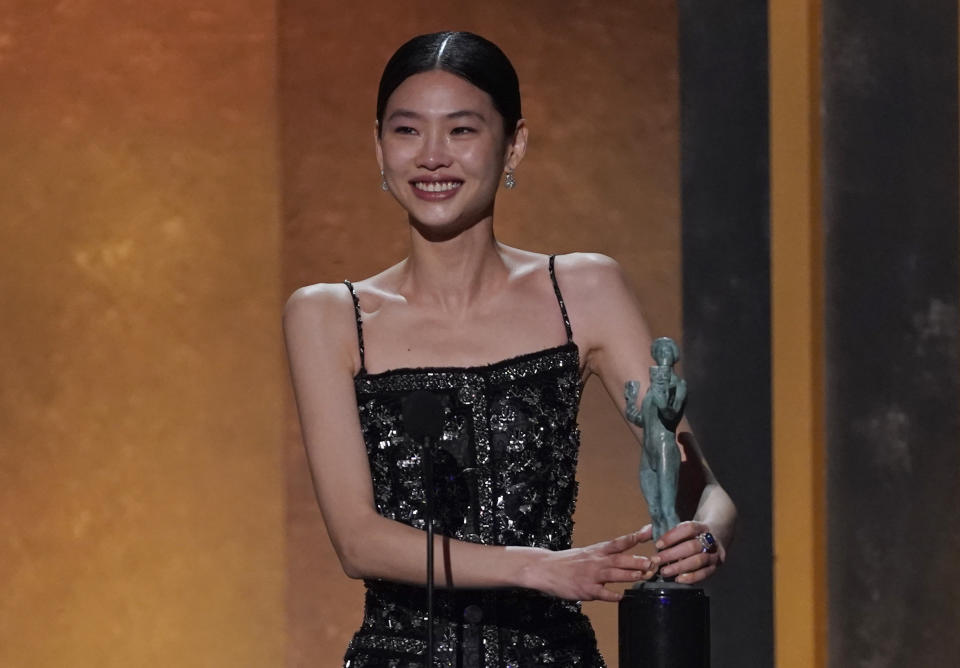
x=516, y=146
x=376, y=143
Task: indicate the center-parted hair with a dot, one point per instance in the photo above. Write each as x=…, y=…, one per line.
x=469, y=56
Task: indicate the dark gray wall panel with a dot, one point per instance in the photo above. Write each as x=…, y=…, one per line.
x=726, y=312
x=892, y=279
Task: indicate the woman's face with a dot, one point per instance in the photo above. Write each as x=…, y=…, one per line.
x=442, y=150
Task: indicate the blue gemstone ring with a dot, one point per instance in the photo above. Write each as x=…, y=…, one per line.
x=707, y=542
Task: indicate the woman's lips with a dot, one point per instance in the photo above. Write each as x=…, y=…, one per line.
x=435, y=190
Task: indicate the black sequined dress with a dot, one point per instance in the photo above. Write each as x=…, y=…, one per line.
x=505, y=475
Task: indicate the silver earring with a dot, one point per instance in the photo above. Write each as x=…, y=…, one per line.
x=509, y=182
x=383, y=182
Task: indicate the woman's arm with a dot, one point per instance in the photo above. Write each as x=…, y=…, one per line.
x=615, y=342
x=322, y=348
x=714, y=512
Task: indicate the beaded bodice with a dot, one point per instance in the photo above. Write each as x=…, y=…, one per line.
x=505, y=463
x=504, y=474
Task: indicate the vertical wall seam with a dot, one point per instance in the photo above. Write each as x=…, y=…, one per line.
x=797, y=336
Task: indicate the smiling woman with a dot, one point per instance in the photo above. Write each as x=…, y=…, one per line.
x=505, y=339
x=441, y=141
x=448, y=125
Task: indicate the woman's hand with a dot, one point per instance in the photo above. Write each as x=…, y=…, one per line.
x=685, y=556
x=580, y=574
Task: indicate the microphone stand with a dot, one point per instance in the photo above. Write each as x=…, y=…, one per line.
x=423, y=420
x=428, y=518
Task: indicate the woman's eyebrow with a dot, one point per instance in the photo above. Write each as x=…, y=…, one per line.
x=408, y=113
x=402, y=113
x=467, y=112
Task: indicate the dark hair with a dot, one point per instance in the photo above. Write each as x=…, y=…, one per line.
x=478, y=60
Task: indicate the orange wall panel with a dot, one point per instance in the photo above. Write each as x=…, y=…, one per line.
x=797, y=336
x=140, y=468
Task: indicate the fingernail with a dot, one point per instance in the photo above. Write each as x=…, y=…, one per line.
x=655, y=560
x=637, y=575
x=660, y=544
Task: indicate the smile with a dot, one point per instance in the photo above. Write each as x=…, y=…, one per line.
x=437, y=186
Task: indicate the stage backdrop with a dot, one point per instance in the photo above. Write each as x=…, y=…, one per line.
x=599, y=85
x=165, y=182
x=141, y=397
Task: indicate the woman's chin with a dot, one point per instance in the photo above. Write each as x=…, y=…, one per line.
x=443, y=230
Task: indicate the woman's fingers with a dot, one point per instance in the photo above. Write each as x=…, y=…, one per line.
x=696, y=576
x=630, y=540
x=613, y=562
x=627, y=575
x=681, y=541
x=604, y=594
x=582, y=573
x=689, y=565
x=681, y=532
x=687, y=548
x=634, y=562
x=646, y=533
x=684, y=556
x=621, y=544
x=627, y=568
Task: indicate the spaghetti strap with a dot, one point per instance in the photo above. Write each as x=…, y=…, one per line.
x=563, y=307
x=356, y=312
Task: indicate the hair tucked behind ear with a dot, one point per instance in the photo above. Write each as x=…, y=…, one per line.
x=479, y=61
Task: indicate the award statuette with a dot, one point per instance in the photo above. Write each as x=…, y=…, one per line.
x=663, y=624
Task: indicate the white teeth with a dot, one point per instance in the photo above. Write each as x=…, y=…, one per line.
x=436, y=187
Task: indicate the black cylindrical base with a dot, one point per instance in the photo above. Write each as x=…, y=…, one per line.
x=665, y=625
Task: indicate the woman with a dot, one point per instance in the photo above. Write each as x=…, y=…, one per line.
x=506, y=338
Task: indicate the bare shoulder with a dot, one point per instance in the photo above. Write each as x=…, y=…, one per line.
x=591, y=278
x=317, y=304
x=605, y=316
x=319, y=324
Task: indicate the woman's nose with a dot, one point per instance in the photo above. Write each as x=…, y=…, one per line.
x=434, y=152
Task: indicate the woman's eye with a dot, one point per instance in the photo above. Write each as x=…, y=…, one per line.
x=404, y=130
x=463, y=130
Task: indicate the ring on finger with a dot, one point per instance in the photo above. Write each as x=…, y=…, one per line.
x=708, y=543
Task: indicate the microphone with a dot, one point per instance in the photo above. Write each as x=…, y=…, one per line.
x=423, y=420
x=423, y=415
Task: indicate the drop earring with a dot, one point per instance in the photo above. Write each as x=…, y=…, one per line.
x=383, y=182
x=509, y=182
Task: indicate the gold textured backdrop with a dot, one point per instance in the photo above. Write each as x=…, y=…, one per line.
x=141, y=484
x=155, y=507
x=599, y=86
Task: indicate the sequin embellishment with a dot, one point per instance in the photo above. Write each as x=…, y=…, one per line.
x=505, y=475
